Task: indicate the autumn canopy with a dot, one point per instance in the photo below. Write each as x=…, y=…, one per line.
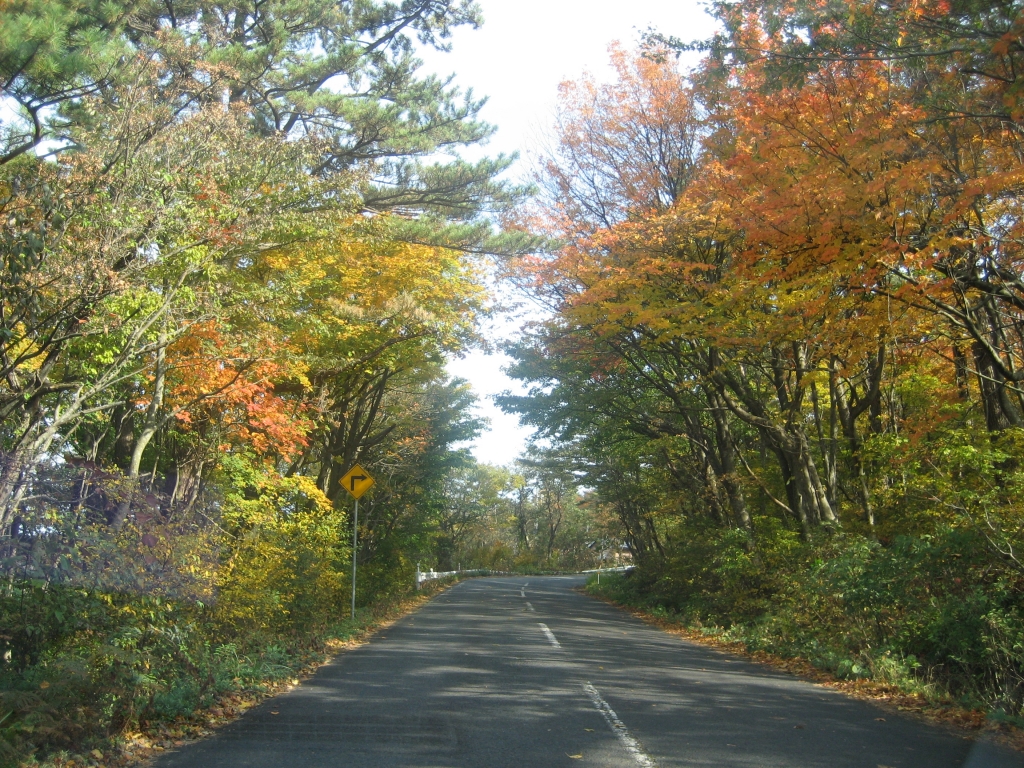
x=780, y=366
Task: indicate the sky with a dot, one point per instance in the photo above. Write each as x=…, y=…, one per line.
x=524, y=49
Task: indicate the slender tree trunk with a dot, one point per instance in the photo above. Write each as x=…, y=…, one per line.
x=815, y=488
x=826, y=445
x=849, y=423
x=998, y=416
x=713, y=491
x=793, y=495
x=727, y=453
x=150, y=426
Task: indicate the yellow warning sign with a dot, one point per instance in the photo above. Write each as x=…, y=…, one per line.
x=357, y=481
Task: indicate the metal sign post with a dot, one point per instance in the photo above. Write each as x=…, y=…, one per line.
x=355, y=542
x=357, y=482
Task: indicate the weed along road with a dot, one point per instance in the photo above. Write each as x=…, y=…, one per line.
x=526, y=673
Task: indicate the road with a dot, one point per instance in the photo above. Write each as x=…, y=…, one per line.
x=527, y=673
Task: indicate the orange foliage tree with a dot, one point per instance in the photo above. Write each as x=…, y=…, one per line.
x=808, y=243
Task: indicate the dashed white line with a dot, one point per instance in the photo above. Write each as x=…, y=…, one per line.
x=522, y=592
x=549, y=635
x=618, y=727
x=529, y=607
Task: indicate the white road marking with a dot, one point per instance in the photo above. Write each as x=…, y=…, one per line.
x=522, y=592
x=528, y=606
x=618, y=727
x=549, y=635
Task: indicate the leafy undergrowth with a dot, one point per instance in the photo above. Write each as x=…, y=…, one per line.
x=176, y=714
x=942, y=655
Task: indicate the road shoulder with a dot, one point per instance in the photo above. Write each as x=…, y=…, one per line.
x=141, y=748
x=966, y=723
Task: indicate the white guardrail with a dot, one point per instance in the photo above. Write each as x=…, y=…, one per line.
x=616, y=569
x=422, y=576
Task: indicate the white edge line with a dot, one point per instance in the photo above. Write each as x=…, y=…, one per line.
x=549, y=634
x=618, y=727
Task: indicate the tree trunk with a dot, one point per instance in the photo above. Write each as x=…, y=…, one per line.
x=150, y=426
x=727, y=453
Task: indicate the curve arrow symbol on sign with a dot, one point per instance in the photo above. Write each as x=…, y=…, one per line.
x=357, y=481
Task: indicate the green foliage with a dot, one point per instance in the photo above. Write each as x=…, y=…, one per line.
x=534, y=519
x=35, y=618
x=286, y=558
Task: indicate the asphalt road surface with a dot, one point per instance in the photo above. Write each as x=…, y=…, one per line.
x=526, y=673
